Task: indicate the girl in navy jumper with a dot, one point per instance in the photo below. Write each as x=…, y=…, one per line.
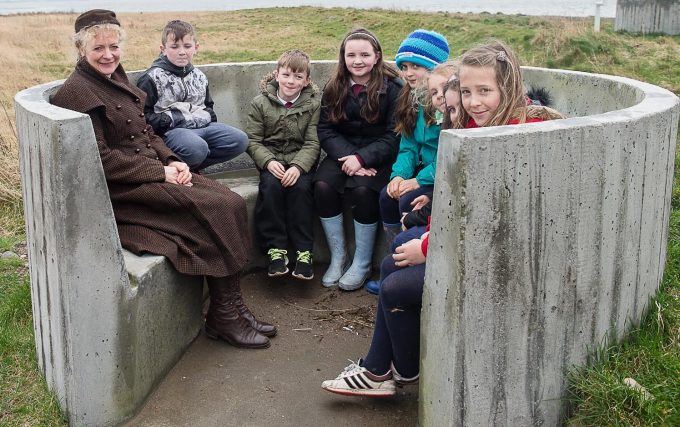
x=356, y=130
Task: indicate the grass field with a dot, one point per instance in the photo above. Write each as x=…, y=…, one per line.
x=37, y=49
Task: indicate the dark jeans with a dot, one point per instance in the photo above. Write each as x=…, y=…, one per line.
x=392, y=209
x=408, y=235
x=283, y=213
x=396, y=337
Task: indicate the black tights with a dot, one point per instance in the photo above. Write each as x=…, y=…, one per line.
x=364, y=202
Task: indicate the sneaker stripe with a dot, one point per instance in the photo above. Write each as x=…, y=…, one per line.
x=363, y=380
x=357, y=384
x=349, y=383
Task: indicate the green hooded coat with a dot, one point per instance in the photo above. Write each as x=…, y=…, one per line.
x=287, y=135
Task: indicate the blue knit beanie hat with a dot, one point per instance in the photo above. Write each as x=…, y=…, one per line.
x=423, y=47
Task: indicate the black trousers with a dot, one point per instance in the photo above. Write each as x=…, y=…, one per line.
x=284, y=215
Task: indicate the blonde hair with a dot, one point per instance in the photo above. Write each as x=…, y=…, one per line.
x=87, y=34
x=506, y=68
x=446, y=70
x=453, y=84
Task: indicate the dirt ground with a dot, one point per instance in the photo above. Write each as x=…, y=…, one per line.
x=215, y=384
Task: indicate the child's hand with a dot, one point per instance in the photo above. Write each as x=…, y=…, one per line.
x=276, y=169
x=420, y=201
x=290, y=177
x=350, y=164
x=408, y=254
x=408, y=185
x=393, y=187
x=366, y=172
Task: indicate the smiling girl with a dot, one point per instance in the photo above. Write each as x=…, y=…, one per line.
x=356, y=130
x=491, y=89
x=413, y=172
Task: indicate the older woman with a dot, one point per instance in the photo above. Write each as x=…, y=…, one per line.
x=160, y=207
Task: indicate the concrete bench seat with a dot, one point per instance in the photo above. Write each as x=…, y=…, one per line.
x=140, y=313
x=547, y=239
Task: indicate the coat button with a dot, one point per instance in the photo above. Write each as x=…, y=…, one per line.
x=141, y=114
x=156, y=157
x=118, y=107
x=132, y=137
x=148, y=145
x=128, y=121
x=136, y=99
x=137, y=150
x=144, y=130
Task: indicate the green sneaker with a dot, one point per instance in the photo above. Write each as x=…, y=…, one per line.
x=278, y=262
x=303, y=266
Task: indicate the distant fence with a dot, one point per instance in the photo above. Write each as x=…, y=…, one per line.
x=648, y=16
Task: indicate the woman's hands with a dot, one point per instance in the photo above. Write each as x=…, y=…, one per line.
x=178, y=173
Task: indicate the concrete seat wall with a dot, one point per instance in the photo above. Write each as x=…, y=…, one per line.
x=104, y=337
x=547, y=242
x=103, y=334
x=109, y=324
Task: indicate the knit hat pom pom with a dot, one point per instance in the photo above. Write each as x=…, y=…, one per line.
x=424, y=48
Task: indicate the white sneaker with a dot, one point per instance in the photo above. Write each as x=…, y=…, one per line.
x=355, y=380
x=401, y=381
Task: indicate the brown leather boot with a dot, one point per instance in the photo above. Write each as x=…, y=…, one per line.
x=223, y=320
x=264, y=328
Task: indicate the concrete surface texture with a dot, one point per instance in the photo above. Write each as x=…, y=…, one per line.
x=215, y=384
x=547, y=237
x=648, y=16
x=104, y=336
x=547, y=240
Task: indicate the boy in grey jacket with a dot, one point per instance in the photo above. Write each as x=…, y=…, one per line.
x=179, y=107
x=285, y=148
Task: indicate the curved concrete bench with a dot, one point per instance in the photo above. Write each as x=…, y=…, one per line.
x=109, y=324
x=547, y=241
x=536, y=227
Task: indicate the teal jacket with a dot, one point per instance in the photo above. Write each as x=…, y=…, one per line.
x=286, y=135
x=418, y=150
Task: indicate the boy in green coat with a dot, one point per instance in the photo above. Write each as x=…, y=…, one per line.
x=283, y=143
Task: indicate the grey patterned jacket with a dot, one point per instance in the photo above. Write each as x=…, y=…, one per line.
x=176, y=97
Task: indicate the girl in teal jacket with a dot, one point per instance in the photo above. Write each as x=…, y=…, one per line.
x=413, y=172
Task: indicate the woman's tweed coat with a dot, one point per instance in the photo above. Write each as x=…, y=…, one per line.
x=201, y=229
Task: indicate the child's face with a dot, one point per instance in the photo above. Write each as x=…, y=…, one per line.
x=412, y=73
x=479, y=92
x=180, y=52
x=435, y=84
x=452, y=97
x=290, y=83
x=360, y=58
